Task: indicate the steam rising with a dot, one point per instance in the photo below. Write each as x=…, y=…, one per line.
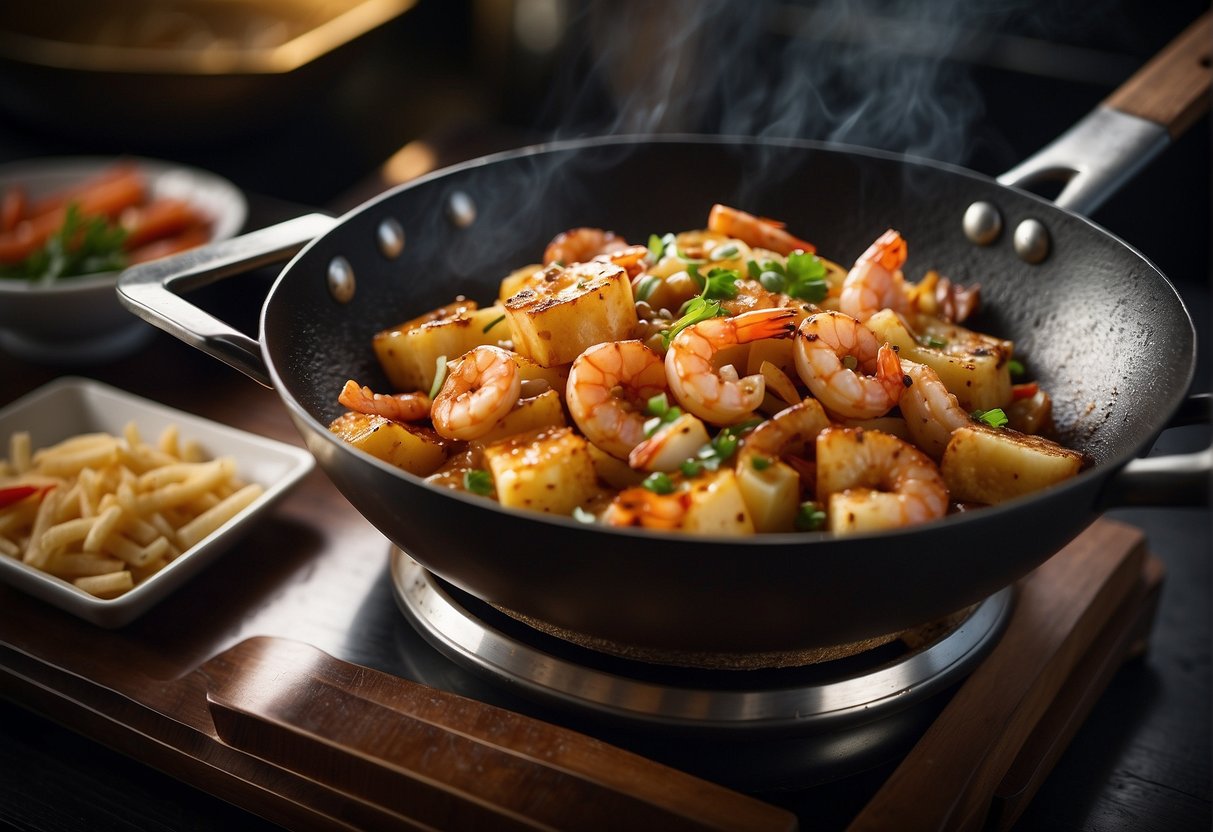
x=862, y=72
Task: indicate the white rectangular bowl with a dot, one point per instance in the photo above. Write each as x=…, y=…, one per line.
x=69, y=406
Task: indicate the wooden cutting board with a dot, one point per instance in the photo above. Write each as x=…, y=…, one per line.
x=287, y=731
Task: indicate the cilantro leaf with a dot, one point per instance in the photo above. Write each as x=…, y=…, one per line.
x=697, y=309
x=803, y=277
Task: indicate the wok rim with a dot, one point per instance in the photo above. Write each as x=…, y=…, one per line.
x=1095, y=476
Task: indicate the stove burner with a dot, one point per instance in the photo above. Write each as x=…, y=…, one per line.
x=841, y=694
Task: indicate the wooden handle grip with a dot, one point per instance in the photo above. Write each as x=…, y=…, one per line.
x=403, y=755
x=1173, y=88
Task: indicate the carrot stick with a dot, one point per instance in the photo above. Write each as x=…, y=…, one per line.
x=108, y=199
x=13, y=207
x=190, y=238
x=157, y=219
x=74, y=193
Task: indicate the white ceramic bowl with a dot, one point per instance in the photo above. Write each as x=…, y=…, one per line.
x=69, y=406
x=78, y=320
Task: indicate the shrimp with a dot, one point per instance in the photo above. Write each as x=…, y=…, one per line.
x=821, y=343
x=872, y=481
x=788, y=431
x=876, y=281
x=638, y=506
x=580, y=245
x=719, y=396
x=931, y=412
x=607, y=389
x=481, y=390
x=401, y=407
x=758, y=232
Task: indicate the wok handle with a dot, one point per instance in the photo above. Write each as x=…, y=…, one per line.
x=151, y=290
x=1172, y=480
x=1129, y=128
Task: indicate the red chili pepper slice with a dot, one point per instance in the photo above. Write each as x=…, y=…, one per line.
x=17, y=493
x=1024, y=391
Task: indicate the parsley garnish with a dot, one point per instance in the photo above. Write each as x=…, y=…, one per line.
x=810, y=517
x=720, y=284
x=994, y=418
x=82, y=245
x=803, y=277
x=697, y=309
x=478, y=481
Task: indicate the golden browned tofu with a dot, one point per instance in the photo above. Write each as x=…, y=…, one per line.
x=548, y=470
x=992, y=465
x=974, y=367
x=416, y=449
x=409, y=353
x=588, y=304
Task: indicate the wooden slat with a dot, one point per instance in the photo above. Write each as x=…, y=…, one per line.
x=1172, y=89
x=949, y=777
x=433, y=758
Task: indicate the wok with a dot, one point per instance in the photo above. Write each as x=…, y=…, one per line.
x=1104, y=331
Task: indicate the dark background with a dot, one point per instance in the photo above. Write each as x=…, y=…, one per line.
x=982, y=85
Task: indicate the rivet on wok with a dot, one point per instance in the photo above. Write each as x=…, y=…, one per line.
x=982, y=223
x=460, y=210
x=1031, y=241
x=341, y=280
x=391, y=238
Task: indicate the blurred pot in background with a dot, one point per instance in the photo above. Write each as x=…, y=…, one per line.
x=175, y=70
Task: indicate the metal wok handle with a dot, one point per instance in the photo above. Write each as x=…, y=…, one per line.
x=148, y=290
x=1172, y=480
x=1132, y=125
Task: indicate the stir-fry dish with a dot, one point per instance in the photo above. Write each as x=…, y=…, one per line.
x=724, y=381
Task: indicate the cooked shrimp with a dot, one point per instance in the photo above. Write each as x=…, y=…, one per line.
x=821, y=343
x=931, y=412
x=876, y=281
x=719, y=396
x=400, y=407
x=638, y=506
x=482, y=389
x=608, y=387
x=787, y=432
x=632, y=259
x=873, y=481
x=759, y=232
x=580, y=245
